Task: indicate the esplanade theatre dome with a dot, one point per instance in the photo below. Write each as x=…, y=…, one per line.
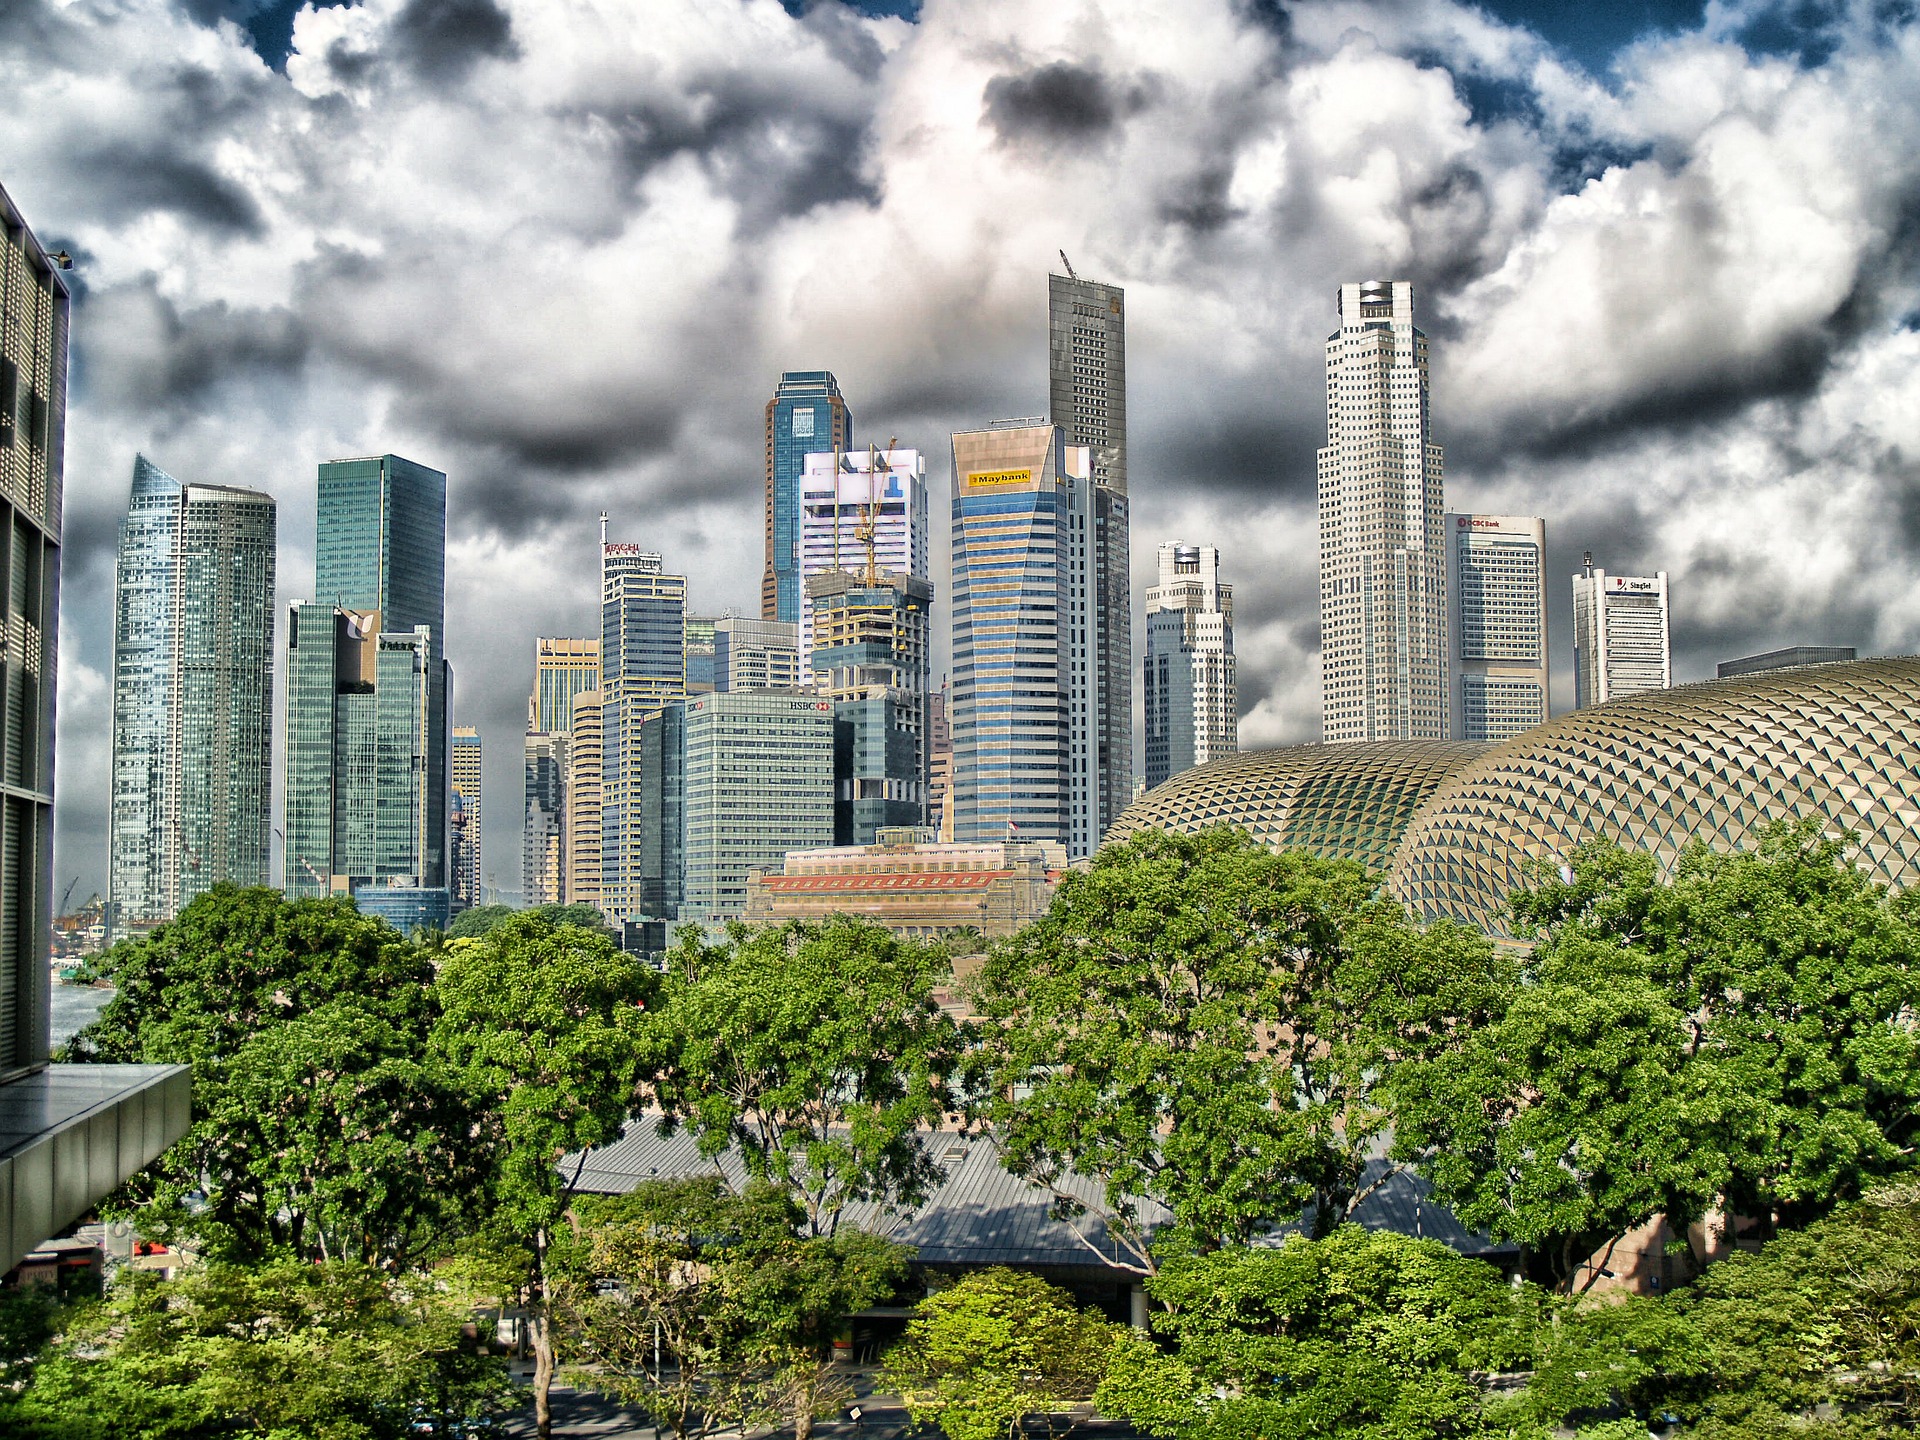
x=1716, y=761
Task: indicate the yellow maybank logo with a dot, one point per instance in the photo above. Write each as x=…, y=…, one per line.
x=988, y=479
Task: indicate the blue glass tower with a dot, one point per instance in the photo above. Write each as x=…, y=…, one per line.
x=806, y=416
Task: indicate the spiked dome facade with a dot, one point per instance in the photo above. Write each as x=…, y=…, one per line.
x=1454, y=828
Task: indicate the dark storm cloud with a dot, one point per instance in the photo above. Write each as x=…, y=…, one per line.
x=142, y=352
x=442, y=40
x=1200, y=202
x=1061, y=103
x=131, y=181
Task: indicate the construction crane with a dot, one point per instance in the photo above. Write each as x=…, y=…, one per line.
x=1069, y=264
x=67, y=895
x=868, y=530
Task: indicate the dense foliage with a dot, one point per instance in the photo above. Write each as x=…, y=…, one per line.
x=998, y=1346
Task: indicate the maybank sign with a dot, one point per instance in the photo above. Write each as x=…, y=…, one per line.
x=993, y=479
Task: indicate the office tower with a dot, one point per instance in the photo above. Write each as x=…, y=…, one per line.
x=758, y=782
x=543, y=835
x=368, y=685
x=940, y=763
x=1087, y=389
x=581, y=881
x=872, y=659
x=463, y=771
x=1026, y=655
x=755, y=654
x=562, y=668
x=1496, y=624
x=1382, y=577
x=856, y=510
x=700, y=643
x=661, y=784
x=1191, y=704
x=192, y=694
x=805, y=416
x=642, y=669
x=1621, y=641
x=74, y=1132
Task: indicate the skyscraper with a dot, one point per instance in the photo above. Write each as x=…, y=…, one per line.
x=805, y=416
x=463, y=770
x=562, y=669
x=751, y=654
x=1026, y=656
x=192, y=694
x=642, y=668
x=581, y=882
x=872, y=658
x=758, y=782
x=1382, y=576
x=1496, y=624
x=878, y=497
x=1191, y=705
x=940, y=762
x=368, y=683
x=1621, y=635
x=74, y=1132
x=1087, y=389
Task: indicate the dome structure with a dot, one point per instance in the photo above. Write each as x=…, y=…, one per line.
x=1716, y=762
x=1346, y=802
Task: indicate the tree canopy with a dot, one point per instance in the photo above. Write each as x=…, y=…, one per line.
x=819, y=1051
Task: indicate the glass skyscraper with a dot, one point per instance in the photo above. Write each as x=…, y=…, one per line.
x=1026, y=640
x=1087, y=390
x=643, y=614
x=367, y=685
x=871, y=658
x=192, y=694
x=464, y=766
x=758, y=782
x=806, y=416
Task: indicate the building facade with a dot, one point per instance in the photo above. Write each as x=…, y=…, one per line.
x=74, y=1132
x=368, y=685
x=806, y=416
x=1382, y=566
x=464, y=770
x=1621, y=639
x=1496, y=624
x=872, y=658
x=852, y=504
x=751, y=654
x=913, y=885
x=1192, y=713
x=580, y=883
x=642, y=669
x=1087, y=390
x=757, y=782
x=192, y=694
x=563, y=667
x=1026, y=661
x=1783, y=659
x=940, y=763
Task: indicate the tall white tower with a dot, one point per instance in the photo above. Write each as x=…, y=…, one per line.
x=1621, y=635
x=1189, y=673
x=1497, y=622
x=1383, y=631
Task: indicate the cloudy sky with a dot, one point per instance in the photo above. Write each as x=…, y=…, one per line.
x=1669, y=256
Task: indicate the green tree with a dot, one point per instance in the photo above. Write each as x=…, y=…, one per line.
x=322, y=1351
x=1738, y=1038
x=479, y=920
x=723, y=1309
x=354, y=1135
x=995, y=1347
x=1374, y=1336
x=540, y=1029
x=234, y=967
x=1817, y=1335
x=819, y=1051
x=1798, y=978
x=1193, y=1023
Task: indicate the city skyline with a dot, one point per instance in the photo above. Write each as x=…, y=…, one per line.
x=1545, y=200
